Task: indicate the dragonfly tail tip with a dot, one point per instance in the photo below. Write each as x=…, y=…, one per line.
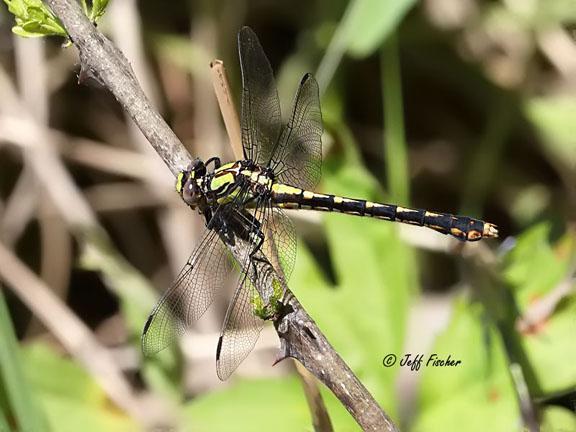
x=490, y=231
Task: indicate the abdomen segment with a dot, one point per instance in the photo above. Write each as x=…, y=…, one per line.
x=462, y=227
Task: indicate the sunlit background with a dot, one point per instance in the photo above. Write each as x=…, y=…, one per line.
x=460, y=106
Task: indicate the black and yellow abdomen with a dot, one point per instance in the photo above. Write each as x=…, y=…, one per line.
x=462, y=227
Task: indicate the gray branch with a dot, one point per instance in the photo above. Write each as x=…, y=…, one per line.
x=300, y=337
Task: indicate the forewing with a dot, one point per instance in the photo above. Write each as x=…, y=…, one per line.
x=190, y=295
x=261, y=119
x=297, y=159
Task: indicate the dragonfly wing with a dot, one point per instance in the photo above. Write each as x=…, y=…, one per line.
x=279, y=245
x=261, y=119
x=240, y=331
x=193, y=291
x=260, y=280
x=297, y=159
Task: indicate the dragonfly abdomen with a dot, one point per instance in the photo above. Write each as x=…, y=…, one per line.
x=461, y=227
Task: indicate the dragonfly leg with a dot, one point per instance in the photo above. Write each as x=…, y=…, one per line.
x=252, y=227
x=215, y=160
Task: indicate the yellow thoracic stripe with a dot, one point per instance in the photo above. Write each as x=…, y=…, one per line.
x=228, y=197
x=222, y=179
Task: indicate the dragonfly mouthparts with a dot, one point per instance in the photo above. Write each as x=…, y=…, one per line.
x=490, y=230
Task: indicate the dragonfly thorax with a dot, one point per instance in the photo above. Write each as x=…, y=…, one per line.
x=201, y=188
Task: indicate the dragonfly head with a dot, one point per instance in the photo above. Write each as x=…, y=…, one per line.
x=188, y=185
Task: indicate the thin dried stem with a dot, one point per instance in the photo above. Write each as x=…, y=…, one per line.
x=227, y=107
x=320, y=417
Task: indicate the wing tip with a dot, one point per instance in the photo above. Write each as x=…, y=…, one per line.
x=307, y=77
x=222, y=374
x=150, y=347
x=310, y=80
x=147, y=324
x=246, y=33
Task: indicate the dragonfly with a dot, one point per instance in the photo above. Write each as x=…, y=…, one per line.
x=243, y=204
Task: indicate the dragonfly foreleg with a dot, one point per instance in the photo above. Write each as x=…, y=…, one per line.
x=215, y=160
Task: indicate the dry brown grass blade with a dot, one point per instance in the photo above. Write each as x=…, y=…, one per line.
x=87, y=152
x=320, y=417
x=20, y=207
x=227, y=107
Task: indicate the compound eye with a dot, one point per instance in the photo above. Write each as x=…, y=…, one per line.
x=191, y=192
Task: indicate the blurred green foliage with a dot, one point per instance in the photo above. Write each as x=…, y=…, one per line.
x=71, y=399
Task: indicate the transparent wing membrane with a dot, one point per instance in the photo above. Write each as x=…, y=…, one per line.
x=297, y=160
x=240, y=331
x=279, y=241
x=261, y=119
x=260, y=281
x=296, y=153
x=191, y=294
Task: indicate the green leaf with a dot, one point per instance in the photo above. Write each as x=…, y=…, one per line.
x=16, y=7
x=45, y=369
x=69, y=415
x=36, y=13
x=550, y=347
x=553, y=118
x=371, y=21
x=556, y=419
x=476, y=395
x=16, y=388
x=33, y=27
x=4, y=426
x=72, y=400
x=258, y=405
x=98, y=9
x=17, y=30
x=363, y=28
x=532, y=267
x=34, y=19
